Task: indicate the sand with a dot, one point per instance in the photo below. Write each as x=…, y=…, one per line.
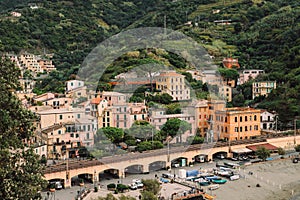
x=278, y=180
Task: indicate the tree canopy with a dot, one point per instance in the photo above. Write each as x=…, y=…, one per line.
x=19, y=163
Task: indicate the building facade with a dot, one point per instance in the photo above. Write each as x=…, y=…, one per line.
x=237, y=123
x=172, y=83
x=262, y=88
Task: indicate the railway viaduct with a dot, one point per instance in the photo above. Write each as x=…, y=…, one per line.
x=143, y=161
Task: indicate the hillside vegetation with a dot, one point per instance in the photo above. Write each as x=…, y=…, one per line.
x=261, y=34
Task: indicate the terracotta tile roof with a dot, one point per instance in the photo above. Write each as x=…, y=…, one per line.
x=96, y=100
x=266, y=145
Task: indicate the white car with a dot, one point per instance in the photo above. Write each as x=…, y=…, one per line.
x=133, y=186
x=138, y=183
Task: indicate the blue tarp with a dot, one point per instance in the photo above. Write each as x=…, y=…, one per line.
x=192, y=173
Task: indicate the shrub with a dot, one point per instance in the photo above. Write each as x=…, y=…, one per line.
x=281, y=151
x=297, y=148
x=111, y=186
x=121, y=187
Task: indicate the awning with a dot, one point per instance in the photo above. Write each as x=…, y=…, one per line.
x=268, y=146
x=241, y=150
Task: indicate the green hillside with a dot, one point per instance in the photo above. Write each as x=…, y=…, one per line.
x=261, y=34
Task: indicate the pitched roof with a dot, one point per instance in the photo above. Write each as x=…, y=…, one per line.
x=96, y=100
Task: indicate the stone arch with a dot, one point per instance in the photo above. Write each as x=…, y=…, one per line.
x=134, y=169
x=179, y=162
x=220, y=155
x=157, y=165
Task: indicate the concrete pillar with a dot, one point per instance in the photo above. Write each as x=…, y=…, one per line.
x=67, y=183
x=121, y=173
x=145, y=168
x=209, y=157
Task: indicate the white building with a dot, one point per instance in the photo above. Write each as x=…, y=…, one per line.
x=74, y=84
x=268, y=120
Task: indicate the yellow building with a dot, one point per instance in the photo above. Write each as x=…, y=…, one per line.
x=262, y=88
x=172, y=83
x=237, y=123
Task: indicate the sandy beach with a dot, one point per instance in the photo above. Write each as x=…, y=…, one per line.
x=278, y=180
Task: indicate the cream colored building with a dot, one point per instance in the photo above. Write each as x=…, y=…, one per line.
x=172, y=83
x=226, y=93
x=262, y=88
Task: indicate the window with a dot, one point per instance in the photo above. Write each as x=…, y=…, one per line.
x=246, y=118
x=246, y=128
x=88, y=136
x=199, y=116
x=72, y=135
x=117, y=117
x=241, y=129
x=241, y=119
x=124, y=109
x=236, y=129
x=77, y=135
x=103, y=124
x=118, y=125
x=134, y=117
x=250, y=118
x=255, y=118
x=71, y=84
x=78, y=116
x=250, y=128
x=225, y=129
x=235, y=119
x=124, y=117
x=125, y=125
x=89, y=127
x=59, y=132
x=143, y=117
x=255, y=127
x=225, y=119
x=108, y=119
x=84, y=128
x=60, y=117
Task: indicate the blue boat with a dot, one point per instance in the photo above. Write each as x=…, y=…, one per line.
x=219, y=181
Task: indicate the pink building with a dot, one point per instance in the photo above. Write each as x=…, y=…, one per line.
x=249, y=74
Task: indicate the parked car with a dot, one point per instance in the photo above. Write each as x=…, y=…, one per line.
x=133, y=186
x=138, y=183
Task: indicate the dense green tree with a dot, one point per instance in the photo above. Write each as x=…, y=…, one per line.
x=297, y=148
x=146, y=195
x=141, y=130
x=114, y=134
x=19, y=163
x=151, y=185
x=175, y=126
x=262, y=153
x=173, y=108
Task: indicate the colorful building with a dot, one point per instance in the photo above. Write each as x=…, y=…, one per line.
x=237, y=123
x=172, y=83
x=262, y=88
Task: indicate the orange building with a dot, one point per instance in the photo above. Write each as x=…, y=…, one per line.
x=231, y=63
x=206, y=114
x=237, y=123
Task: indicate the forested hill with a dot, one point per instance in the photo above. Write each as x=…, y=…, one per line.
x=261, y=34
